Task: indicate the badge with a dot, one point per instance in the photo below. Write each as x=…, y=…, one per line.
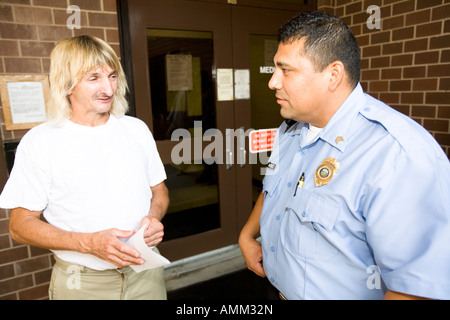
x=325, y=172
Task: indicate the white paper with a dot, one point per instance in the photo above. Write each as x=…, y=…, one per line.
x=152, y=259
x=225, y=90
x=242, y=84
x=179, y=72
x=26, y=99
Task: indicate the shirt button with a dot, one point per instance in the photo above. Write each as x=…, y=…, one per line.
x=304, y=214
x=272, y=279
x=278, y=217
x=272, y=249
x=289, y=184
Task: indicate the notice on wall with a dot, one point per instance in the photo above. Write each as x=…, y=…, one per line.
x=26, y=101
x=179, y=72
x=225, y=85
x=242, y=84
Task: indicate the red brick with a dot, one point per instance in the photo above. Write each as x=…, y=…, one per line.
x=429, y=29
x=391, y=73
x=424, y=111
x=411, y=97
x=443, y=138
x=436, y=125
x=444, y=84
x=402, y=60
x=23, y=65
x=441, y=70
x=103, y=20
x=416, y=45
x=34, y=293
x=32, y=265
x=377, y=86
x=18, y=31
x=426, y=57
x=15, y=284
x=403, y=7
x=404, y=33
x=414, y=72
x=13, y=254
x=422, y=4
x=440, y=42
x=442, y=12
x=428, y=84
x=418, y=17
x=400, y=85
x=444, y=112
x=392, y=48
x=88, y=5
x=437, y=98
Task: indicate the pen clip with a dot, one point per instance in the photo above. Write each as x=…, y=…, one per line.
x=300, y=183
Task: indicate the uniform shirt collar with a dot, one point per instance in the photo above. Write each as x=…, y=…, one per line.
x=336, y=132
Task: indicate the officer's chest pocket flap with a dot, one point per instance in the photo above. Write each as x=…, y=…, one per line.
x=310, y=207
x=271, y=183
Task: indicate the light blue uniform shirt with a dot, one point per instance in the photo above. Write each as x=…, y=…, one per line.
x=382, y=221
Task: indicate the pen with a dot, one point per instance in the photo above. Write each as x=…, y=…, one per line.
x=301, y=181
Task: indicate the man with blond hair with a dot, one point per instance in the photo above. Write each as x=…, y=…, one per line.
x=96, y=176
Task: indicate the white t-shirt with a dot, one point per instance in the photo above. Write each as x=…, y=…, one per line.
x=86, y=179
x=312, y=132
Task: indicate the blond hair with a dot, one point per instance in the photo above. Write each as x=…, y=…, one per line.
x=70, y=60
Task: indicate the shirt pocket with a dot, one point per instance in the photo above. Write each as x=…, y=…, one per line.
x=312, y=219
x=314, y=208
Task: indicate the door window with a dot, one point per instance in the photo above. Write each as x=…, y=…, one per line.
x=181, y=66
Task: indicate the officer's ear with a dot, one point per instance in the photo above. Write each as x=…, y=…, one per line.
x=336, y=71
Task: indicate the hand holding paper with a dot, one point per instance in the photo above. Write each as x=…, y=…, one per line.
x=152, y=259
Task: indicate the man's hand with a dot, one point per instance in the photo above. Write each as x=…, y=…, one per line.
x=252, y=253
x=154, y=232
x=251, y=249
x=107, y=246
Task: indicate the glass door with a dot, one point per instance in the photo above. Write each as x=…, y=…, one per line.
x=181, y=67
x=254, y=34
x=177, y=48
x=181, y=59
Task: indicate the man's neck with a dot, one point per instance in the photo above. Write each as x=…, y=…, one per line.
x=91, y=121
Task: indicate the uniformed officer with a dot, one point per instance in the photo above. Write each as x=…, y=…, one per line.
x=356, y=202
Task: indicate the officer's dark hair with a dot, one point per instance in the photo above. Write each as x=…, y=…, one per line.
x=327, y=39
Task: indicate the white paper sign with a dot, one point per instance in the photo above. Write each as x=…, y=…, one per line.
x=26, y=99
x=152, y=259
x=179, y=72
x=242, y=84
x=225, y=85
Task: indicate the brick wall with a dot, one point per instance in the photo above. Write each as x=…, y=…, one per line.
x=28, y=31
x=405, y=63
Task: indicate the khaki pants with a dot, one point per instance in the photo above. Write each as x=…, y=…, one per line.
x=74, y=282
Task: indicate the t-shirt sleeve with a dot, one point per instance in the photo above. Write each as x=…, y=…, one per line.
x=28, y=185
x=156, y=171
